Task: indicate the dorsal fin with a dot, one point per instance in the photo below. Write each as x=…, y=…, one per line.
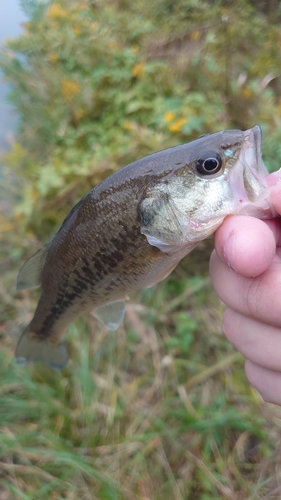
x=30, y=273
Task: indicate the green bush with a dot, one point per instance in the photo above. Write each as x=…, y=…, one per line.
x=100, y=84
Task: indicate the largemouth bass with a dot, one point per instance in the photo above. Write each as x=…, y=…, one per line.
x=131, y=231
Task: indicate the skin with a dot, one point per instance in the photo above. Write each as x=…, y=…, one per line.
x=245, y=269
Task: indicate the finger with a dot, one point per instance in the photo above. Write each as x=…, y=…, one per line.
x=275, y=197
x=258, y=342
x=254, y=297
x=267, y=382
x=274, y=178
x=274, y=183
x=246, y=244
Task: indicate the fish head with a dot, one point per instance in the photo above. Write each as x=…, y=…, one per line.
x=219, y=174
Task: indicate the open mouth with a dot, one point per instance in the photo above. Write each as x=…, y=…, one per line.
x=254, y=170
x=256, y=131
x=251, y=188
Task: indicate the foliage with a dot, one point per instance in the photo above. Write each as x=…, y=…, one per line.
x=165, y=411
x=96, y=88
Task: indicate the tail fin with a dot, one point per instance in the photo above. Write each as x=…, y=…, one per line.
x=31, y=349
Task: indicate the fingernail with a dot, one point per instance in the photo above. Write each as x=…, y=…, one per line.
x=229, y=250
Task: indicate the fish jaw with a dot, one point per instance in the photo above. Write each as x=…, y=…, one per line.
x=248, y=178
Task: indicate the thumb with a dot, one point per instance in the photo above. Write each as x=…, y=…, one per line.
x=245, y=244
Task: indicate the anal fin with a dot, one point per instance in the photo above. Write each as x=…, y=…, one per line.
x=111, y=314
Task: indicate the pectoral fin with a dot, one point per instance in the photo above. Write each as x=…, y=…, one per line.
x=30, y=273
x=164, y=275
x=111, y=315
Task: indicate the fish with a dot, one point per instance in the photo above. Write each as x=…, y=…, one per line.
x=131, y=231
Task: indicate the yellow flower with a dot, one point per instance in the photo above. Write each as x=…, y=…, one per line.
x=177, y=125
x=27, y=26
x=53, y=57
x=70, y=89
x=18, y=218
x=5, y=225
x=77, y=30
x=56, y=11
x=128, y=125
x=35, y=195
x=79, y=7
x=138, y=69
x=195, y=35
x=113, y=46
x=78, y=114
x=223, y=11
x=247, y=92
x=169, y=116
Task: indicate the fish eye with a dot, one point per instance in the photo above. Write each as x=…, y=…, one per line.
x=210, y=163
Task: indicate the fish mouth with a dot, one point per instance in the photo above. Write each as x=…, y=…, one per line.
x=251, y=187
x=254, y=170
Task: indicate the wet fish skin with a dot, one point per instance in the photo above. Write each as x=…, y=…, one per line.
x=129, y=232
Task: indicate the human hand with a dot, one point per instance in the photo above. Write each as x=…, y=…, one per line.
x=245, y=269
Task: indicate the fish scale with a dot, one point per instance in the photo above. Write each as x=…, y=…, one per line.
x=131, y=230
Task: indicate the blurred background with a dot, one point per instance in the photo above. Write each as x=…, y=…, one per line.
x=161, y=409
x=11, y=17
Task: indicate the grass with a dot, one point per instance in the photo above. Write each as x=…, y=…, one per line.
x=159, y=410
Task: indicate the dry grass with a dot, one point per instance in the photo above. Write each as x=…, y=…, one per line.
x=160, y=410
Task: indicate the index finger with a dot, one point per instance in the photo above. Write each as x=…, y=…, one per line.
x=257, y=298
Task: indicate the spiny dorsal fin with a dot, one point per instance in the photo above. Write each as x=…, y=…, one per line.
x=111, y=315
x=30, y=273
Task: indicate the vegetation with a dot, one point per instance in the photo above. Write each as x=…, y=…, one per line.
x=161, y=409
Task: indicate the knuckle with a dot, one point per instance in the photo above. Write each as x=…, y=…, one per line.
x=229, y=324
x=251, y=373
x=252, y=297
